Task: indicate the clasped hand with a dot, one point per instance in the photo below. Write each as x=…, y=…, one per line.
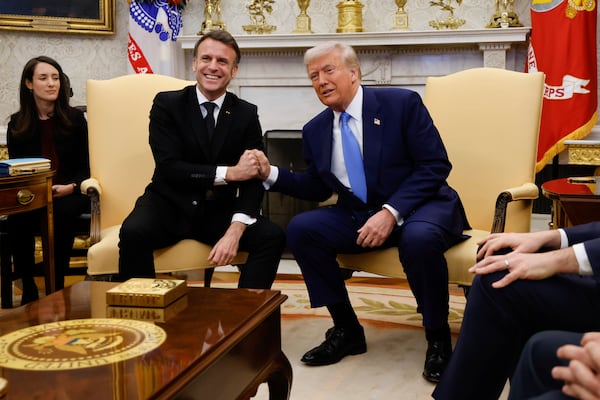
x=582, y=375
x=252, y=164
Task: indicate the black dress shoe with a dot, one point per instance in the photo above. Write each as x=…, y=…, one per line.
x=339, y=343
x=436, y=359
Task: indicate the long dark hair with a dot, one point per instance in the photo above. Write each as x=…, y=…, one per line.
x=26, y=118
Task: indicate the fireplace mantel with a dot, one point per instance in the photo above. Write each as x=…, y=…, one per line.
x=272, y=74
x=481, y=37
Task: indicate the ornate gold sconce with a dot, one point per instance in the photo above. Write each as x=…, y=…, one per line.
x=349, y=16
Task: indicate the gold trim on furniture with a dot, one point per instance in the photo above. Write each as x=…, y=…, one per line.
x=89, y=16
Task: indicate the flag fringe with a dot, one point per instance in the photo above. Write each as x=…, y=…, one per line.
x=559, y=146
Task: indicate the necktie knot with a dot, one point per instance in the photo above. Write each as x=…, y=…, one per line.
x=345, y=117
x=210, y=109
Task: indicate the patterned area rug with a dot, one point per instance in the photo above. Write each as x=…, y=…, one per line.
x=380, y=300
x=392, y=366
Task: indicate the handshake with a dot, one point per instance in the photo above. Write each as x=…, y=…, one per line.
x=252, y=164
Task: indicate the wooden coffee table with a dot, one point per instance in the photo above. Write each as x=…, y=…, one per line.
x=222, y=346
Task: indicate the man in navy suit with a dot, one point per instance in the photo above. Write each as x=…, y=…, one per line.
x=408, y=203
x=548, y=280
x=204, y=185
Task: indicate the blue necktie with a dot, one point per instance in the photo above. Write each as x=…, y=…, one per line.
x=353, y=159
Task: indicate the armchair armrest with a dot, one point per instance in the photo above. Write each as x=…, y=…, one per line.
x=527, y=191
x=91, y=187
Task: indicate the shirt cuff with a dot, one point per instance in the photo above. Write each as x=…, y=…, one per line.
x=243, y=218
x=585, y=267
x=272, y=178
x=395, y=213
x=220, y=176
x=564, y=240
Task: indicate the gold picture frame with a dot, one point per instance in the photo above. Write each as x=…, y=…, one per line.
x=61, y=16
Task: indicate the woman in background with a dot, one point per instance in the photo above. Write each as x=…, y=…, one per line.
x=47, y=126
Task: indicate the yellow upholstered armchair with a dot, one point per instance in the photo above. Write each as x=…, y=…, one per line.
x=489, y=121
x=121, y=166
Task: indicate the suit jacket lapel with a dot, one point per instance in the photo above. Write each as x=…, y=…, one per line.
x=373, y=124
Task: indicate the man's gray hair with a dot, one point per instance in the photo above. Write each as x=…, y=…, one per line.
x=347, y=53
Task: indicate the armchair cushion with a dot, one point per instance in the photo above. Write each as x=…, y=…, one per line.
x=104, y=255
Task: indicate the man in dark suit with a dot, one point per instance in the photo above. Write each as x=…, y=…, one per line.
x=548, y=280
x=203, y=185
x=406, y=202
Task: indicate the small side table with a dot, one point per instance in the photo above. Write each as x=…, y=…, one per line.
x=24, y=193
x=575, y=201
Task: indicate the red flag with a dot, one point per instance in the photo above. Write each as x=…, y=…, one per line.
x=563, y=46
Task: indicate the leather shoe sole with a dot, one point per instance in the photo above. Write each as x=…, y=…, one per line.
x=338, y=344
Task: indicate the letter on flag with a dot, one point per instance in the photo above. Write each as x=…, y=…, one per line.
x=563, y=46
x=153, y=29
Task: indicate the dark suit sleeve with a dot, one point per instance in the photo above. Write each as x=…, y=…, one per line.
x=589, y=235
x=178, y=159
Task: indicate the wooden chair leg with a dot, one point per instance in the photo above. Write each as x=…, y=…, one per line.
x=208, y=274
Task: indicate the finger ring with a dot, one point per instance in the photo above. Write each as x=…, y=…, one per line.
x=506, y=262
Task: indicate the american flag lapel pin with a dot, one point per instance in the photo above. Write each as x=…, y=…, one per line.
x=376, y=121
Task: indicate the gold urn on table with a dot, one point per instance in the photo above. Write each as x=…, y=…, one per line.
x=349, y=16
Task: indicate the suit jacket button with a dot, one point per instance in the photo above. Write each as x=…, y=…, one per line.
x=194, y=203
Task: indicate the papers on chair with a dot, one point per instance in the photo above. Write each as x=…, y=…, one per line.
x=23, y=166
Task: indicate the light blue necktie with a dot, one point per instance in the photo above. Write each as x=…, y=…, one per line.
x=353, y=159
